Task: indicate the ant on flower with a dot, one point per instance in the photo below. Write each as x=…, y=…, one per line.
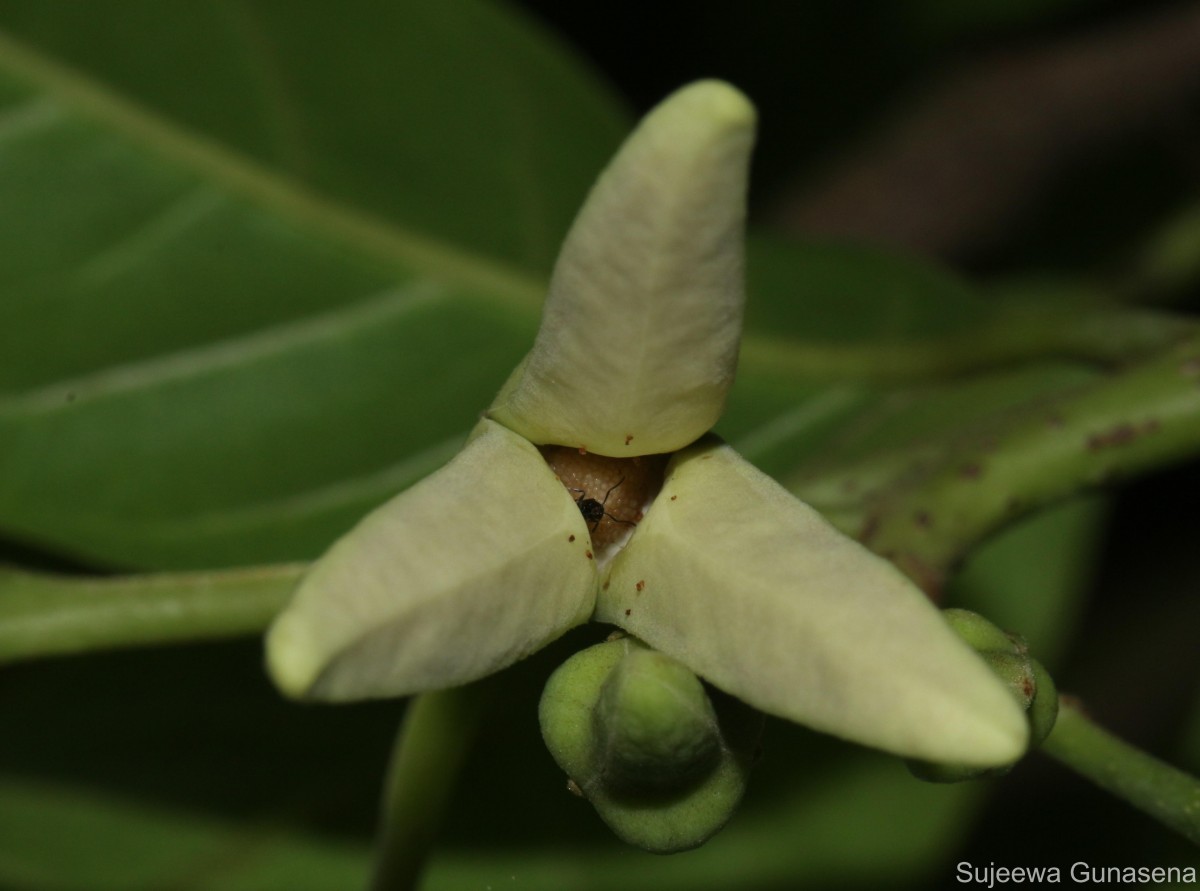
x=594, y=511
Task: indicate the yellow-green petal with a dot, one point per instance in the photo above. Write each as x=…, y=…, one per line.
x=639, y=337
x=466, y=572
x=754, y=591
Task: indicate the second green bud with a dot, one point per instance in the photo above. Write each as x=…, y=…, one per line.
x=1007, y=656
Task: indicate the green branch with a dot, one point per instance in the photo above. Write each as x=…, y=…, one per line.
x=437, y=733
x=1125, y=424
x=1021, y=332
x=1166, y=793
x=42, y=615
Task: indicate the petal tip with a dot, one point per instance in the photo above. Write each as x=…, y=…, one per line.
x=720, y=102
x=986, y=727
x=1006, y=737
x=289, y=658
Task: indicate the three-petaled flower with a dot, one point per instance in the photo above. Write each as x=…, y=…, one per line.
x=712, y=562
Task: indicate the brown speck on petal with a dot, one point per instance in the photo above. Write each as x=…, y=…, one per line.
x=589, y=554
x=628, y=611
x=628, y=438
x=570, y=538
x=641, y=585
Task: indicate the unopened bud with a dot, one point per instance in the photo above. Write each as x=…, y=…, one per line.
x=663, y=762
x=655, y=725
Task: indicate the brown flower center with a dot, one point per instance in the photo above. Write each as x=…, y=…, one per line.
x=612, y=493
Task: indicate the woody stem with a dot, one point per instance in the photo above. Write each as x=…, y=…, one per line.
x=1124, y=424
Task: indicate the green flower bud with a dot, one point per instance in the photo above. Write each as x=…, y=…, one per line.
x=1008, y=657
x=1043, y=711
x=977, y=631
x=655, y=726
x=639, y=736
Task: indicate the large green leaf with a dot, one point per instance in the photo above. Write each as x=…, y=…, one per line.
x=252, y=283
x=459, y=120
x=213, y=355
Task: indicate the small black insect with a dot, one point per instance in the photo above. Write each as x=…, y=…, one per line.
x=593, y=511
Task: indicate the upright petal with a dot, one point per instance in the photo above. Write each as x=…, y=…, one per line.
x=639, y=337
x=754, y=591
x=468, y=571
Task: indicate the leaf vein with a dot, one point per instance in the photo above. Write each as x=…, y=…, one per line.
x=367, y=312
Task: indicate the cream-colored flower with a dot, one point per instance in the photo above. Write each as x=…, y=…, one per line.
x=713, y=564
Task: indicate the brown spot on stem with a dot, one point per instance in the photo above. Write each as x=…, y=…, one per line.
x=1117, y=435
x=971, y=471
x=1122, y=434
x=1190, y=367
x=928, y=578
x=1055, y=422
x=923, y=518
x=869, y=528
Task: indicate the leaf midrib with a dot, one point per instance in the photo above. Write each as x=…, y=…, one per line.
x=391, y=246
x=261, y=343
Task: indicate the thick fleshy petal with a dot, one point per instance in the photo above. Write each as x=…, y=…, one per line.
x=468, y=571
x=639, y=337
x=754, y=591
